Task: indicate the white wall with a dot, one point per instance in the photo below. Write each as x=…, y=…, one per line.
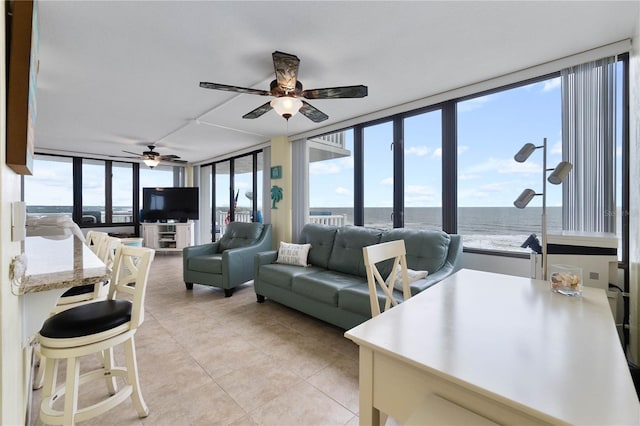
x=497, y=264
x=12, y=367
x=634, y=213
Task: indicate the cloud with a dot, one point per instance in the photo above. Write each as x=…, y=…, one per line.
x=475, y=103
x=420, y=151
x=324, y=168
x=461, y=150
x=551, y=84
x=387, y=181
x=556, y=148
x=343, y=191
x=419, y=190
x=503, y=166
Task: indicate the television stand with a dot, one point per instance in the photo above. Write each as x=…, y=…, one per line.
x=168, y=237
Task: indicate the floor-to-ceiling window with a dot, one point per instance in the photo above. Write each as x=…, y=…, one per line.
x=122, y=192
x=378, y=174
x=331, y=178
x=423, y=170
x=95, y=193
x=491, y=130
x=457, y=170
x=50, y=188
x=236, y=190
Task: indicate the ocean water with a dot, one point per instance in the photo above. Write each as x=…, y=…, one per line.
x=493, y=228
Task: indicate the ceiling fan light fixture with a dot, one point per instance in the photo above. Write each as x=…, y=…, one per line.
x=151, y=162
x=286, y=106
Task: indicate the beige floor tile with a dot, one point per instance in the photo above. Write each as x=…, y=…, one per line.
x=302, y=404
x=256, y=385
x=339, y=381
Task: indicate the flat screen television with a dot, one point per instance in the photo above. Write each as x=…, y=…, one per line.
x=170, y=204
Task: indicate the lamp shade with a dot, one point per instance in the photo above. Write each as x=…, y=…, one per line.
x=151, y=162
x=286, y=106
x=560, y=172
x=525, y=197
x=524, y=153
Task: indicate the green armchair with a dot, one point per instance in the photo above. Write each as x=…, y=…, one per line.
x=228, y=262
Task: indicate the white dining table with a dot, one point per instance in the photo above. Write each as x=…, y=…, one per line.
x=480, y=347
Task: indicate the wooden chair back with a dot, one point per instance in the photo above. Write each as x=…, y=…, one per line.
x=380, y=252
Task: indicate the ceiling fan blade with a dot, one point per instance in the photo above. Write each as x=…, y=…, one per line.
x=172, y=160
x=134, y=153
x=236, y=89
x=259, y=111
x=336, y=92
x=169, y=157
x=286, y=68
x=312, y=113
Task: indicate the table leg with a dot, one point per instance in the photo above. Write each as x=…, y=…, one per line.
x=369, y=415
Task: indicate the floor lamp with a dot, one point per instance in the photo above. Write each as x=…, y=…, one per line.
x=556, y=177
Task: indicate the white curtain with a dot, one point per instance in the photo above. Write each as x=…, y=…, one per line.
x=299, y=185
x=588, y=142
x=266, y=186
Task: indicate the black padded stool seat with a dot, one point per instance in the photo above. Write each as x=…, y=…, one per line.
x=87, y=319
x=81, y=289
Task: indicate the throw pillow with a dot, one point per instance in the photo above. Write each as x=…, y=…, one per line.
x=293, y=254
x=411, y=276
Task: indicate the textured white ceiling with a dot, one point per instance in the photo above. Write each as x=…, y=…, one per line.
x=118, y=75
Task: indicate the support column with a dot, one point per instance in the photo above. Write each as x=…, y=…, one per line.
x=281, y=214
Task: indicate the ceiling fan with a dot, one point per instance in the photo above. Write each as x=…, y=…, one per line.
x=152, y=158
x=287, y=90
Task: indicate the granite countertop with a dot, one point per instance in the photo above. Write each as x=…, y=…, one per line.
x=57, y=263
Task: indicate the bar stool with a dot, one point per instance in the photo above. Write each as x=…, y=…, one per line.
x=106, y=251
x=97, y=327
x=83, y=294
x=94, y=240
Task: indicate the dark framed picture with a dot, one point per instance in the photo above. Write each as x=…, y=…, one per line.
x=21, y=93
x=276, y=172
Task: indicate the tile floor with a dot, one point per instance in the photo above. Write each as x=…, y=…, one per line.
x=205, y=360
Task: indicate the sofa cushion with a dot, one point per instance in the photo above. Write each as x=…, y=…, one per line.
x=240, y=234
x=356, y=299
x=324, y=286
x=321, y=238
x=281, y=275
x=412, y=276
x=209, y=263
x=426, y=250
x=293, y=254
x=346, y=255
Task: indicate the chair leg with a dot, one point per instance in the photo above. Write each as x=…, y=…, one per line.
x=189, y=286
x=132, y=378
x=39, y=379
x=228, y=292
x=106, y=358
x=71, y=391
x=260, y=298
x=50, y=376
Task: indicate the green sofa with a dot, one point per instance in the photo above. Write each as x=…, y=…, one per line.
x=334, y=286
x=228, y=262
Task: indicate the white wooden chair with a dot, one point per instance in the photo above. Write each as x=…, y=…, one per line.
x=106, y=250
x=378, y=253
x=97, y=327
x=94, y=240
x=84, y=294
